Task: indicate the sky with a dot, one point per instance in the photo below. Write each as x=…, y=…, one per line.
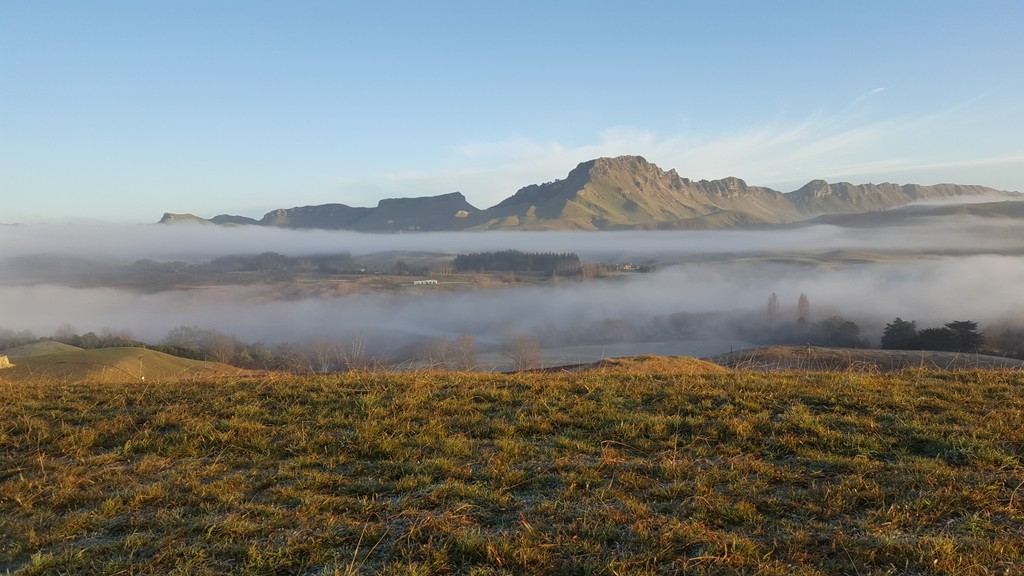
x=119, y=111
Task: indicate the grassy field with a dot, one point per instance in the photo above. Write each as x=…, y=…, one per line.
x=642, y=468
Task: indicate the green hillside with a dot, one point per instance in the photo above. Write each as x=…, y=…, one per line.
x=39, y=349
x=111, y=365
x=644, y=466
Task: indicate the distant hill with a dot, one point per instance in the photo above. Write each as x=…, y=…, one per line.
x=171, y=218
x=222, y=219
x=327, y=216
x=819, y=197
x=39, y=349
x=629, y=192
x=626, y=192
x=109, y=364
x=1003, y=210
x=431, y=213
x=229, y=219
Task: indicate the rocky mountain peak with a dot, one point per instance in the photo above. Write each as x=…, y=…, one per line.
x=813, y=189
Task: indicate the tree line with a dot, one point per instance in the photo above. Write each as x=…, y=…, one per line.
x=956, y=336
x=336, y=263
x=560, y=264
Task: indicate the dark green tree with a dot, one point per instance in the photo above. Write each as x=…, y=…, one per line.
x=271, y=262
x=803, y=308
x=900, y=335
x=90, y=341
x=515, y=261
x=9, y=338
x=773, y=309
x=941, y=339
x=965, y=335
x=837, y=331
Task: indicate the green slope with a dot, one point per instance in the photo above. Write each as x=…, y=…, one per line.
x=39, y=349
x=113, y=365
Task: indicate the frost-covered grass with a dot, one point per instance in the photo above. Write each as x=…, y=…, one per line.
x=599, y=472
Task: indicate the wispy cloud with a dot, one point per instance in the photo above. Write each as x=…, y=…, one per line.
x=850, y=143
x=867, y=95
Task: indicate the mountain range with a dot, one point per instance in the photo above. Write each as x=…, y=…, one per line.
x=626, y=192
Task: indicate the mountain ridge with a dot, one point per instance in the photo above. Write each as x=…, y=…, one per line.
x=624, y=192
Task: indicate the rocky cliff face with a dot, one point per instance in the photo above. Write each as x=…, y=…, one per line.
x=322, y=216
x=430, y=213
x=445, y=212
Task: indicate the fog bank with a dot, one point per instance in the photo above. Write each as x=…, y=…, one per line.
x=711, y=283
x=931, y=291
x=198, y=242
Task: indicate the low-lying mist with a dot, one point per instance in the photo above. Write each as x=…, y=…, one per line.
x=709, y=284
x=190, y=242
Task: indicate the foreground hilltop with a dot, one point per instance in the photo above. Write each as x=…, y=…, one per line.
x=613, y=193
x=642, y=467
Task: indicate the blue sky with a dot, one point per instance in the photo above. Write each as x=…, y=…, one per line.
x=120, y=111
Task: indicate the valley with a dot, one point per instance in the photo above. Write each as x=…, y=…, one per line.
x=651, y=263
